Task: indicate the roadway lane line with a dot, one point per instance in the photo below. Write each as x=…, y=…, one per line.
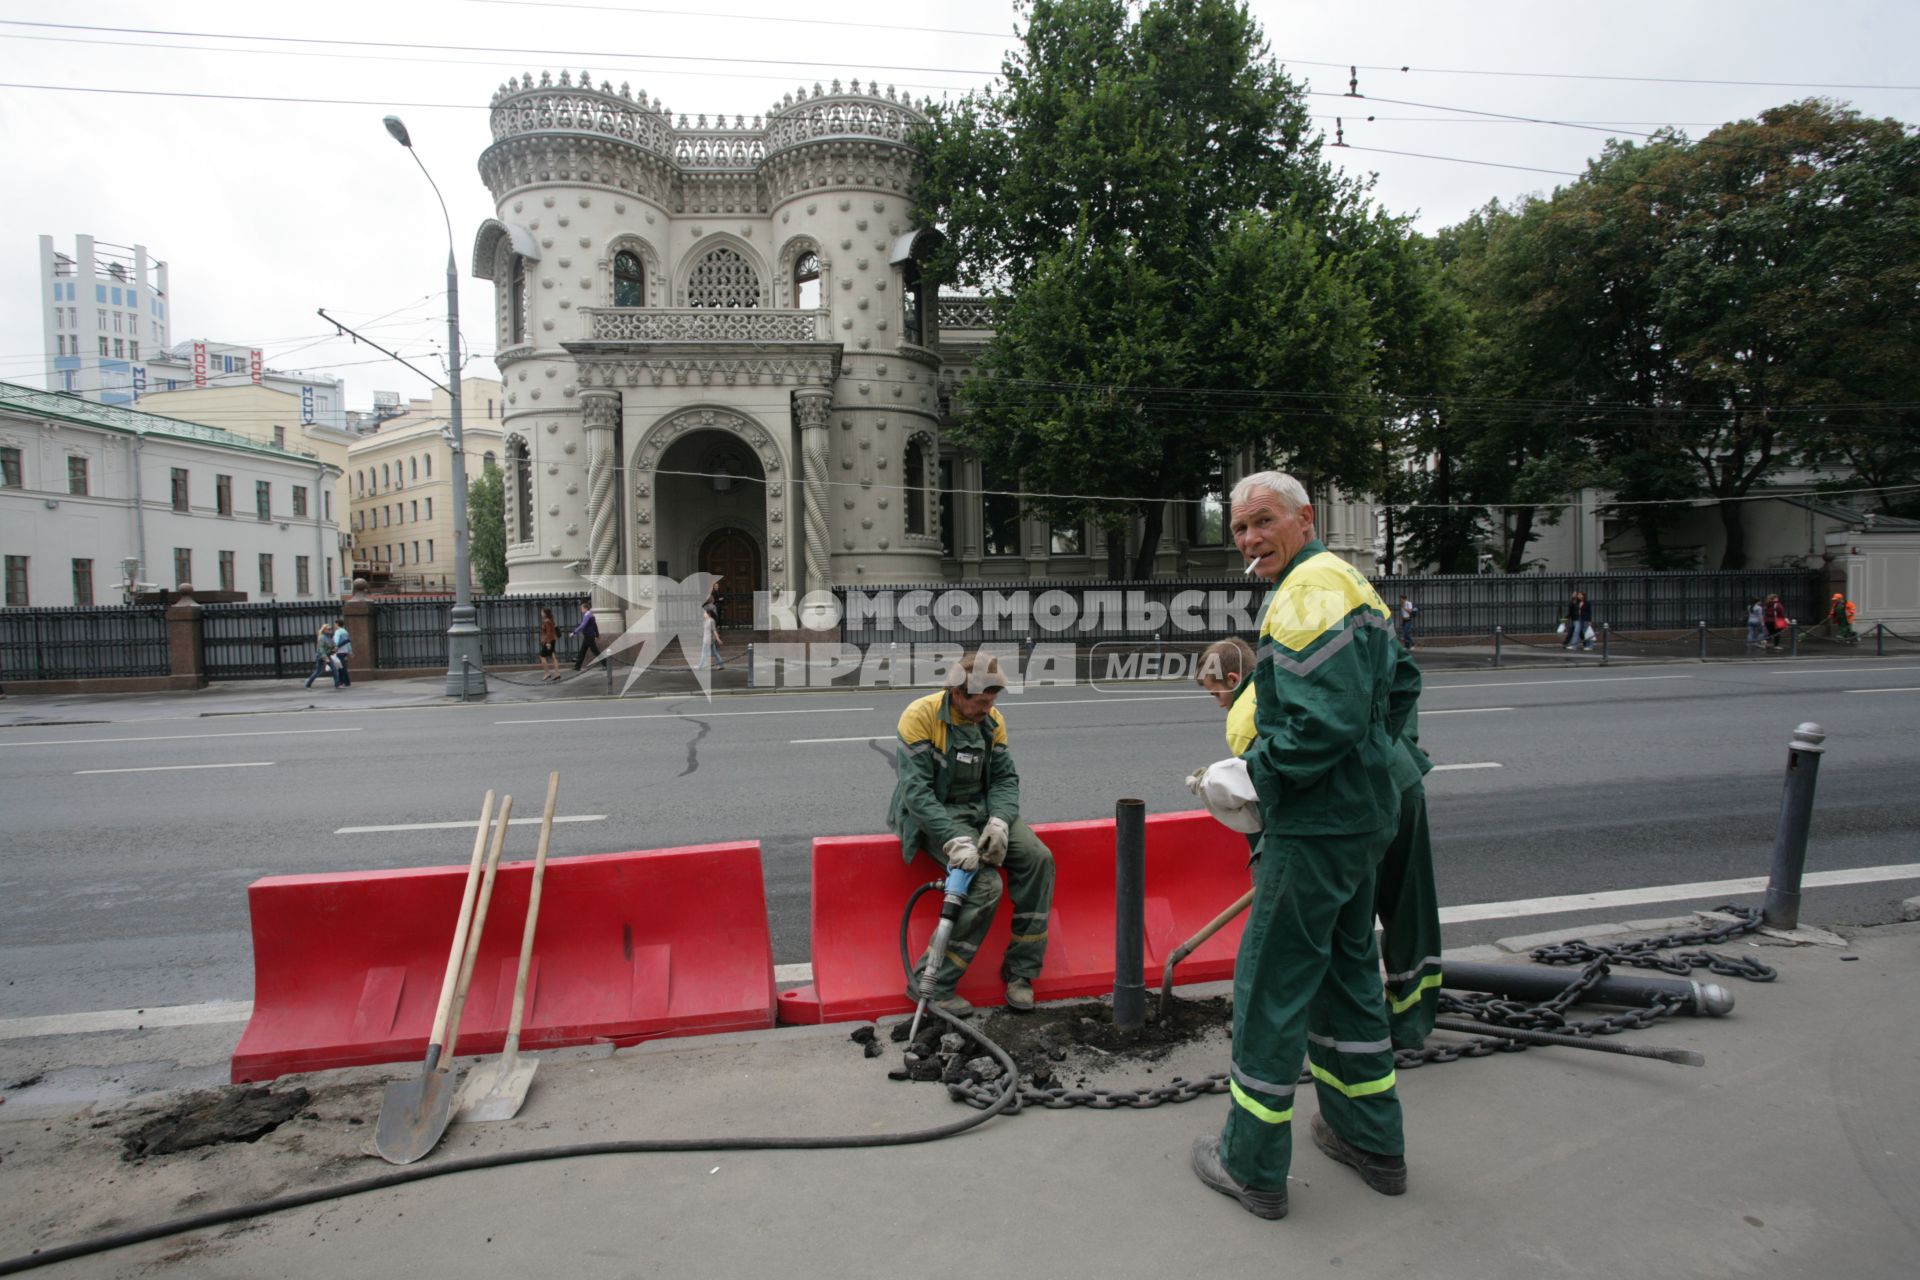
x=1483, y=764
x=808, y=742
x=178, y=1015
x=188, y=1015
x=685, y=715
x=1461, y=711
x=1842, y=670
x=456, y=826
x=1907, y=689
x=1667, y=893
x=173, y=737
x=1528, y=684
x=170, y=768
x=1015, y=700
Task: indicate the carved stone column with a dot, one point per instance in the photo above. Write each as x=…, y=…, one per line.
x=811, y=408
x=600, y=412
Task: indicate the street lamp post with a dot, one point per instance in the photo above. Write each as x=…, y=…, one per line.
x=465, y=673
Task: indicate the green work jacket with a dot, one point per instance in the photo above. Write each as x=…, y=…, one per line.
x=929, y=760
x=1332, y=696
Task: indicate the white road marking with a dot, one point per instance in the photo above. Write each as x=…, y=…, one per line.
x=177, y=1015
x=1906, y=689
x=1844, y=666
x=172, y=737
x=702, y=715
x=1461, y=711
x=1667, y=893
x=808, y=742
x=1483, y=764
x=188, y=1015
x=456, y=826
x=1528, y=684
x=170, y=768
x=1015, y=700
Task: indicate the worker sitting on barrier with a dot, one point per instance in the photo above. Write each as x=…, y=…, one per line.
x=957, y=801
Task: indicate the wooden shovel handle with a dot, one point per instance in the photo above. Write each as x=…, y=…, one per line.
x=479, y=926
x=438, y=1035
x=533, y=913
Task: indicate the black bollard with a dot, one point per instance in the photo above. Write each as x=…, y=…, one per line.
x=1538, y=982
x=1782, y=907
x=1496, y=645
x=1129, y=914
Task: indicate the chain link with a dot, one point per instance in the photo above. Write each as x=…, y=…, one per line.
x=1595, y=959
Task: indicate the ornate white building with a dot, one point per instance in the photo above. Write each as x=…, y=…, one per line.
x=719, y=353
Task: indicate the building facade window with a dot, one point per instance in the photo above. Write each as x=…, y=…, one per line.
x=946, y=508
x=429, y=508
x=806, y=282
x=227, y=575
x=413, y=468
x=279, y=436
x=386, y=475
x=77, y=476
x=416, y=553
x=16, y=582
x=82, y=582
x=10, y=469
x=223, y=494
x=1068, y=540
x=520, y=476
x=182, y=568
x=302, y=576
x=723, y=278
x=913, y=304
x=263, y=499
x=999, y=516
x=416, y=510
x=266, y=573
x=629, y=280
x=133, y=349
x=178, y=481
x=430, y=456
x=914, y=476
x=1207, y=516
x=103, y=346
x=299, y=499
x=429, y=550
x=517, y=301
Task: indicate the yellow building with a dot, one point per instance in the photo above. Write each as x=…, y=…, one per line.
x=399, y=483
x=258, y=413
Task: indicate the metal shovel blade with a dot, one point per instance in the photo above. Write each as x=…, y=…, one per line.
x=413, y=1115
x=495, y=1091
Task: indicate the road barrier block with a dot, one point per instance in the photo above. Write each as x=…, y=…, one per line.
x=1195, y=869
x=630, y=946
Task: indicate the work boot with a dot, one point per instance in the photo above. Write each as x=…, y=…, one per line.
x=1385, y=1174
x=1207, y=1165
x=951, y=1003
x=1020, y=995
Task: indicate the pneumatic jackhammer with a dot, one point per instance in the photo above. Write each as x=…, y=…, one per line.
x=955, y=894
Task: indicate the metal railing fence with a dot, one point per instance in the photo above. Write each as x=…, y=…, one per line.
x=413, y=633
x=92, y=642
x=261, y=641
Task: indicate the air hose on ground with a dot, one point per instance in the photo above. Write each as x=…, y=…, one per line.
x=637, y=1146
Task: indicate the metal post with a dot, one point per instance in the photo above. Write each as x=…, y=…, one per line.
x=750, y=681
x=1129, y=914
x=1782, y=907
x=1606, y=634
x=1496, y=646
x=1879, y=639
x=1703, y=641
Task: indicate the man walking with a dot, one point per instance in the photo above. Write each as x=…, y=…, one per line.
x=1331, y=695
x=342, y=650
x=589, y=633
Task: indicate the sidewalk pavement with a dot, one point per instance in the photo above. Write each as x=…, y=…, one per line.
x=1794, y=1152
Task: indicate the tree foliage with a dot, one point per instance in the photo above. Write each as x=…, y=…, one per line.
x=1183, y=275
x=487, y=529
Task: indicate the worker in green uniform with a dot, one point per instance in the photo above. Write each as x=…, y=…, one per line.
x=1330, y=699
x=957, y=801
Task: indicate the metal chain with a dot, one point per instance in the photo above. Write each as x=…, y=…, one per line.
x=1547, y=1015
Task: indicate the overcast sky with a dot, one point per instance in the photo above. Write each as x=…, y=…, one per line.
x=266, y=210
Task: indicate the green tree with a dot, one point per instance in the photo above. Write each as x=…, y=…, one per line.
x=1182, y=274
x=487, y=529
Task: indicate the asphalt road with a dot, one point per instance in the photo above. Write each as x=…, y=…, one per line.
x=128, y=846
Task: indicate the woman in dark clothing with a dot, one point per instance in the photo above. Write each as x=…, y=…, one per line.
x=549, y=637
x=1579, y=622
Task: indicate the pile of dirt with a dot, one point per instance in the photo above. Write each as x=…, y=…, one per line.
x=212, y=1117
x=1053, y=1045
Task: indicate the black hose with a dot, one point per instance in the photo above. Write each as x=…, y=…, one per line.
x=401, y=1177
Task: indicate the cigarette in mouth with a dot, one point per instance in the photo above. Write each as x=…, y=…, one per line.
x=1253, y=564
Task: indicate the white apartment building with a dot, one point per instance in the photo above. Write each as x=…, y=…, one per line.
x=101, y=307
x=95, y=496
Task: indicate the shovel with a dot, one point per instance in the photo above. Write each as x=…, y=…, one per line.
x=414, y=1113
x=1192, y=944
x=497, y=1091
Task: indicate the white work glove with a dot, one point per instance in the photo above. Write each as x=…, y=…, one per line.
x=962, y=853
x=993, y=842
x=1227, y=790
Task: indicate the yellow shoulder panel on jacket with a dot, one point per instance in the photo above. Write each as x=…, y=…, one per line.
x=1315, y=599
x=920, y=722
x=1241, y=727
x=999, y=724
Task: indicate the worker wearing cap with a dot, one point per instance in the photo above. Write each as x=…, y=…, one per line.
x=1331, y=696
x=957, y=801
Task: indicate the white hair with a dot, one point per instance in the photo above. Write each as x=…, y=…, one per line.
x=1290, y=491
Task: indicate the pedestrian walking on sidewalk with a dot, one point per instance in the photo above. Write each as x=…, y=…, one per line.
x=589, y=633
x=1756, y=622
x=322, y=653
x=549, y=637
x=710, y=628
x=1579, y=623
x=1332, y=693
x=1777, y=621
x=1405, y=615
x=342, y=650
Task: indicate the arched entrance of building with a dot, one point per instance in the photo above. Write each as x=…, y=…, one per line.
x=733, y=556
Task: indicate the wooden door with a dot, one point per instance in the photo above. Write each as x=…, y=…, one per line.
x=733, y=555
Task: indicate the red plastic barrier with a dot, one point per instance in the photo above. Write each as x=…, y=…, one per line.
x=630, y=946
x=1195, y=869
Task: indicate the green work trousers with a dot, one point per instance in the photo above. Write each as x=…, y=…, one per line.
x=1029, y=877
x=1306, y=985
x=1409, y=910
